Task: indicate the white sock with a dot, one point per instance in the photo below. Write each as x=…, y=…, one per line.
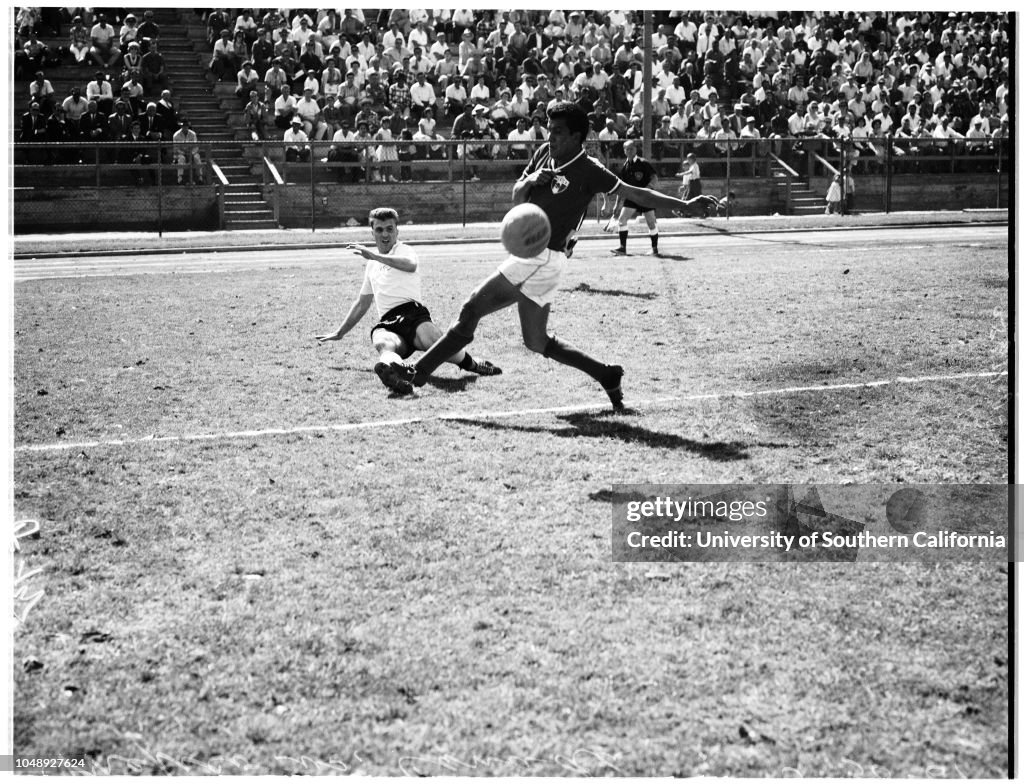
x=387, y=357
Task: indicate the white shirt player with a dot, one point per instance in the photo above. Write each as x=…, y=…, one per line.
x=392, y=287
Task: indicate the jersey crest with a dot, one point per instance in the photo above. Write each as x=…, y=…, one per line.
x=559, y=183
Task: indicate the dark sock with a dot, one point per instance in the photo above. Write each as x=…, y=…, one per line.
x=654, y=242
x=622, y=238
x=573, y=357
x=467, y=362
x=451, y=343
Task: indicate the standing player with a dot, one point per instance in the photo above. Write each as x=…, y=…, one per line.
x=392, y=283
x=562, y=180
x=638, y=172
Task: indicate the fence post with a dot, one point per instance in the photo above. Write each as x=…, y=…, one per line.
x=463, y=183
x=312, y=189
x=160, y=193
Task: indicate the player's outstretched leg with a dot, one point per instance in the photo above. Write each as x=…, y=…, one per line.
x=534, y=320
x=492, y=295
x=608, y=376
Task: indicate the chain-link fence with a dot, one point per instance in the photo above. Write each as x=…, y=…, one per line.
x=316, y=184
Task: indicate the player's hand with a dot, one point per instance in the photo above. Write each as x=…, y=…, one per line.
x=321, y=339
x=362, y=250
x=541, y=177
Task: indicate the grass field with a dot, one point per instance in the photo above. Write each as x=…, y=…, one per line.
x=254, y=560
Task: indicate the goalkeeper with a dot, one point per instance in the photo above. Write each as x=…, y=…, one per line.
x=638, y=172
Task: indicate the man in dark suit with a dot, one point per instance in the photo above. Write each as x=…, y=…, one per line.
x=94, y=128
x=33, y=129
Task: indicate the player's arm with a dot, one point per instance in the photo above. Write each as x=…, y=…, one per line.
x=647, y=197
x=355, y=313
x=403, y=263
x=526, y=183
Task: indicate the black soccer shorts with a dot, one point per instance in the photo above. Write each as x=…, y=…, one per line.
x=403, y=320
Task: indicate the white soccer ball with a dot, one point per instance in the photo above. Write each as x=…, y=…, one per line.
x=525, y=230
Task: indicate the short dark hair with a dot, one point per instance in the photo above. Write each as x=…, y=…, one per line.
x=575, y=117
x=383, y=214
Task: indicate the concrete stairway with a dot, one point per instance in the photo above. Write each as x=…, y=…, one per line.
x=184, y=46
x=805, y=200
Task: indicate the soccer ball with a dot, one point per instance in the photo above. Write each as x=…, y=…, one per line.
x=525, y=230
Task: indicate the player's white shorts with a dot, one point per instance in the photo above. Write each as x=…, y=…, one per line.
x=537, y=278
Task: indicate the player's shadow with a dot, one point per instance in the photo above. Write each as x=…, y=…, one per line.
x=452, y=384
x=350, y=368
x=603, y=425
x=674, y=257
x=586, y=288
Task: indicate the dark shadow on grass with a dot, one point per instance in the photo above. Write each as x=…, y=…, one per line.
x=588, y=289
x=452, y=384
x=602, y=425
x=350, y=368
x=674, y=257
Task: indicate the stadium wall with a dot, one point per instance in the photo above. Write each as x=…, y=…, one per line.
x=40, y=210
x=179, y=208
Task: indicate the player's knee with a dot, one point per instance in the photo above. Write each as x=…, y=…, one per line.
x=537, y=342
x=468, y=319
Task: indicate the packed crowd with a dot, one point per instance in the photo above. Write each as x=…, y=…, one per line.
x=127, y=99
x=721, y=80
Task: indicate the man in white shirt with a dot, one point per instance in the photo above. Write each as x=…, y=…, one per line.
x=284, y=107
x=519, y=140
x=185, y=149
x=308, y=110
x=421, y=95
x=392, y=283
x=297, y=141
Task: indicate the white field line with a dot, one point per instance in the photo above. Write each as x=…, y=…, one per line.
x=347, y=426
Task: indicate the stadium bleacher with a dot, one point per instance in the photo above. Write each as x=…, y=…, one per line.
x=753, y=75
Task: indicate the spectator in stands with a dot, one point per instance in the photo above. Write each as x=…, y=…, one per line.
x=284, y=108
x=519, y=140
x=167, y=113
x=94, y=125
x=185, y=152
x=308, y=110
x=129, y=32
x=58, y=134
x=351, y=27
x=246, y=24
x=74, y=107
x=131, y=65
x=41, y=92
x=421, y=96
x=154, y=69
x=100, y=91
x=262, y=50
x=481, y=93
x=609, y=139
x=276, y=79
x=36, y=53
x=297, y=141
x=367, y=115
x=151, y=124
x=246, y=81
x=136, y=151
x=148, y=30
x=376, y=93
x=119, y=123
x=104, y=50
x=331, y=80
x=33, y=129
x=311, y=62
x=456, y=99
x=255, y=116
x=241, y=47
x=223, y=62
x=79, y=41
x=463, y=126
x=399, y=95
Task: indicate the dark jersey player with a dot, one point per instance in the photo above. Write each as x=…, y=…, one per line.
x=635, y=171
x=562, y=180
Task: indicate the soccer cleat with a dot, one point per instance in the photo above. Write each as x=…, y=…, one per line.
x=484, y=368
x=613, y=387
x=619, y=252
x=391, y=379
x=408, y=374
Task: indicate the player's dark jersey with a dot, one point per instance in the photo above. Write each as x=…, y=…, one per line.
x=566, y=198
x=637, y=172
